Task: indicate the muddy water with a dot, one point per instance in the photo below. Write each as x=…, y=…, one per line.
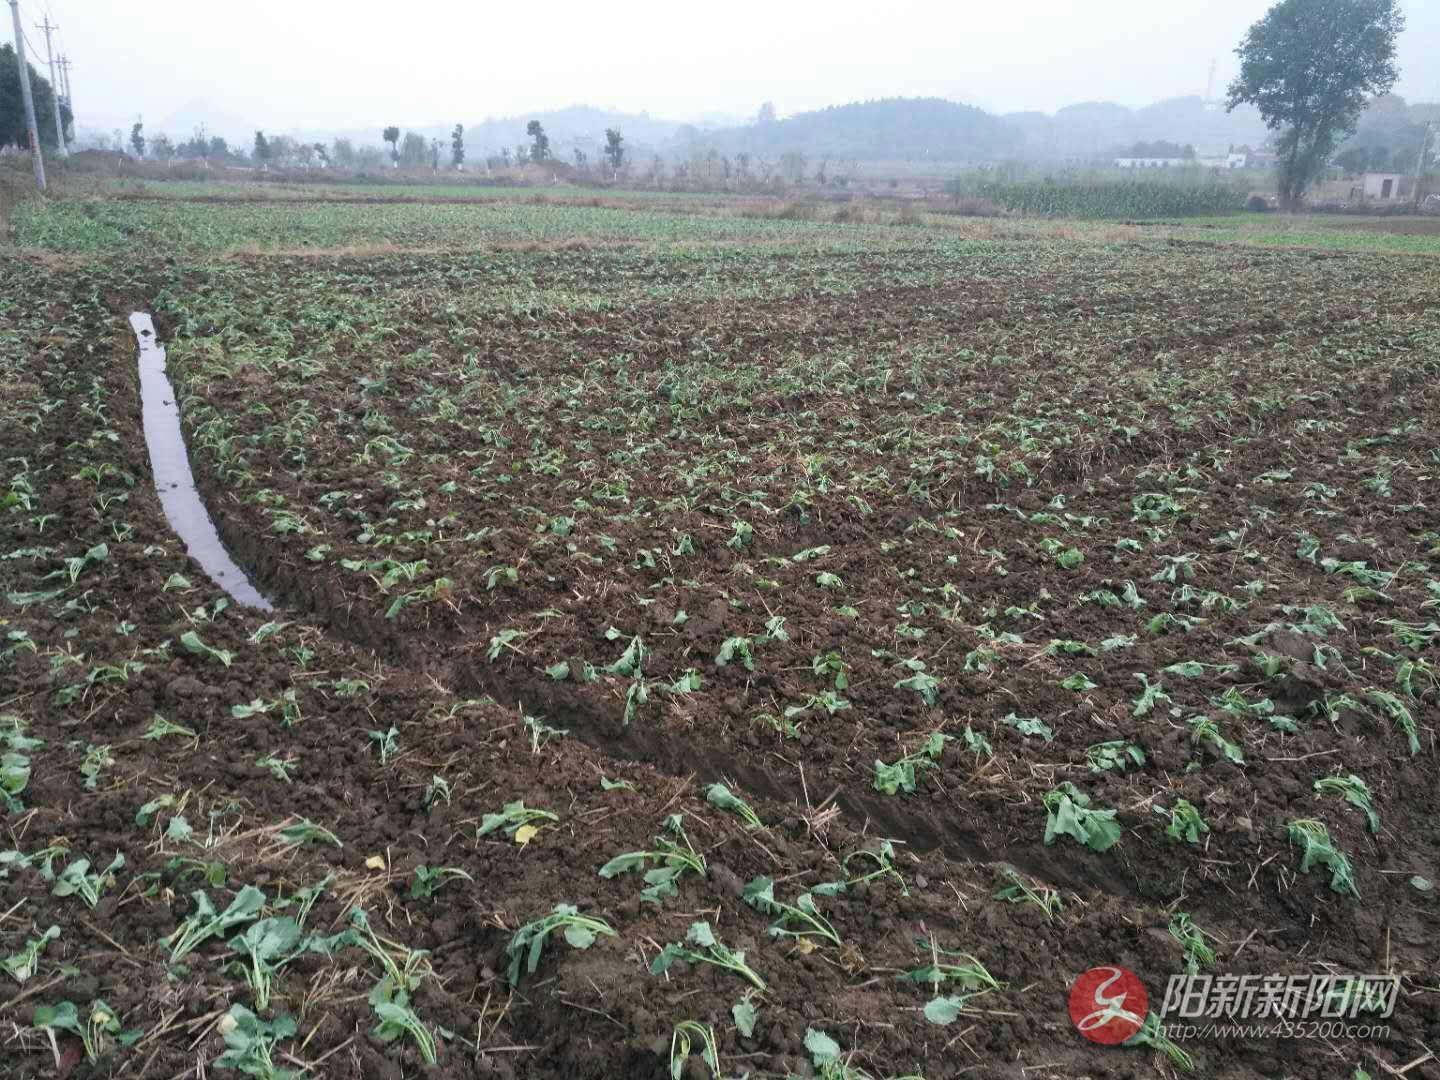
x=174, y=481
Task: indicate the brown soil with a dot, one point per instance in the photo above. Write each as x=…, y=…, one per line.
x=598, y=1013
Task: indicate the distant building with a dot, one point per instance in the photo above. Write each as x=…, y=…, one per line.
x=1229, y=161
x=1377, y=185
x=1152, y=162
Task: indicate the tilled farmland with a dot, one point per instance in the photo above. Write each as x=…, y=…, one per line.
x=719, y=647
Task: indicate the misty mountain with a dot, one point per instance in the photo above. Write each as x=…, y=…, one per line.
x=1096, y=128
x=578, y=125
x=182, y=123
x=892, y=129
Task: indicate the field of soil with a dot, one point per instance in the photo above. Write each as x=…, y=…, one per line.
x=793, y=597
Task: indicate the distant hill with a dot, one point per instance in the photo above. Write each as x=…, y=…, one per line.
x=183, y=122
x=578, y=125
x=1096, y=128
x=893, y=129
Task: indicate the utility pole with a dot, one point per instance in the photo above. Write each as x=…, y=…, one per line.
x=64, y=63
x=25, y=93
x=1420, y=164
x=48, y=26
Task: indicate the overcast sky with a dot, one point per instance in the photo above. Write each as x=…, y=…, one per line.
x=291, y=64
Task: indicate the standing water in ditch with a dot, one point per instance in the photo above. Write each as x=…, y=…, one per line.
x=173, y=479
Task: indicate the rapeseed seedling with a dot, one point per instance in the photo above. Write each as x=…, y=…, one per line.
x=1185, y=823
x=1356, y=793
x=901, y=775
x=22, y=964
x=528, y=942
x=802, y=914
x=701, y=946
x=717, y=794
x=1068, y=813
x=671, y=861
x=1317, y=847
x=512, y=817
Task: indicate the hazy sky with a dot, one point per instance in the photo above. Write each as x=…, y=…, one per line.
x=288, y=64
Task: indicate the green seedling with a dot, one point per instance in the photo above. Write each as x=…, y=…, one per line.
x=803, y=916
x=1020, y=891
x=540, y=732
x=1400, y=714
x=401, y=975
x=350, y=688
x=632, y=660
x=503, y=640
x=250, y=1044
x=97, y=759
x=14, y=779
x=387, y=743
x=529, y=941
x=1152, y=1034
x=688, y=683
x=1150, y=696
x=636, y=695
x=23, y=964
x=77, y=880
x=827, y=701
x=901, y=775
x=680, y=1043
x=884, y=859
x=305, y=898
x=268, y=945
x=1116, y=756
x=305, y=832
x=279, y=768
x=1029, y=725
x=1317, y=846
x=430, y=880
x=1185, y=823
x=671, y=860
x=512, y=817
x=700, y=937
x=192, y=642
x=972, y=975
x=745, y=1015
x=100, y=1026
x=205, y=922
x=1356, y=793
x=831, y=663
x=734, y=647
x=977, y=744
x=719, y=795
x=398, y=1020
x=923, y=683
x=1069, y=814
x=436, y=791
x=1198, y=954
x=1205, y=730
x=160, y=727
